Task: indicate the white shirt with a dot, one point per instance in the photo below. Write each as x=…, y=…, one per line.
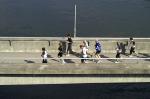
x=118, y=50
x=45, y=55
x=84, y=51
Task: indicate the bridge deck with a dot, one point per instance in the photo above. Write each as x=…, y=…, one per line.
x=30, y=63
x=26, y=69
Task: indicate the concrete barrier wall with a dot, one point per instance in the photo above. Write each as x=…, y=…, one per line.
x=5, y=46
x=35, y=45
x=29, y=46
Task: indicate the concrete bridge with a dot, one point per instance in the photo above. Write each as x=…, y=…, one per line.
x=21, y=56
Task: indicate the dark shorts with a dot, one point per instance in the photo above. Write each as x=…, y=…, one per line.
x=97, y=52
x=83, y=60
x=44, y=61
x=69, y=47
x=118, y=55
x=132, y=50
x=60, y=54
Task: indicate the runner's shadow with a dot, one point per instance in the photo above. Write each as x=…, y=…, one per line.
x=144, y=55
x=76, y=54
x=29, y=61
x=111, y=60
x=68, y=61
x=49, y=56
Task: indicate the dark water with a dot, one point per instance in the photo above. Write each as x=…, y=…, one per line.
x=104, y=18
x=77, y=91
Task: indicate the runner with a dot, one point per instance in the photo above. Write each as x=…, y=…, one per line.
x=132, y=49
x=118, y=52
x=69, y=45
x=60, y=53
x=98, y=50
x=44, y=55
x=83, y=53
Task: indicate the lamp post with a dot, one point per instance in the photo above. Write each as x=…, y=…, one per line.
x=75, y=19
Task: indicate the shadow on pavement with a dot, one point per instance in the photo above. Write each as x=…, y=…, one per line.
x=144, y=55
x=29, y=61
x=49, y=56
x=111, y=60
x=68, y=61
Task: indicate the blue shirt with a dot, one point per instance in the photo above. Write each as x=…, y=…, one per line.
x=98, y=46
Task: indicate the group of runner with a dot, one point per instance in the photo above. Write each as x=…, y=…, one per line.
x=131, y=48
x=60, y=50
x=85, y=50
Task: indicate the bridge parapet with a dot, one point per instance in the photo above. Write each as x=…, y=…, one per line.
x=34, y=44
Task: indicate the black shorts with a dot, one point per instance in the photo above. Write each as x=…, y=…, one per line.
x=44, y=61
x=69, y=47
x=60, y=54
x=97, y=52
x=118, y=55
x=132, y=50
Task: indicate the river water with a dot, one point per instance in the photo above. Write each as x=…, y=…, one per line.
x=77, y=91
x=103, y=18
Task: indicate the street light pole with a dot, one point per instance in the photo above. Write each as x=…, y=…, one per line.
x=75, y=19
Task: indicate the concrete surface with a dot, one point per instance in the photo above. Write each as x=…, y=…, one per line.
x=30, y=63
x=69, y=80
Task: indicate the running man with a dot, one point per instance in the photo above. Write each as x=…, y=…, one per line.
x=132, y=49
x=44, y=55
x=69, y=45
x=118, y=52
x=83, y=53
x=60, y=53
x=98, y=50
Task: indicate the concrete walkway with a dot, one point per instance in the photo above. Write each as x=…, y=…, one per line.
x=30, y=63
